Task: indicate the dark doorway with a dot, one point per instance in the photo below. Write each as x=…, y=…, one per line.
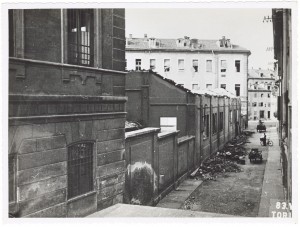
x=262, y=114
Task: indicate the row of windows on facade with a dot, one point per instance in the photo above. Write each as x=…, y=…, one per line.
x=262, y=95
x=195, y=65
x=261, y=114
x=261, y=85
x=80, y=29
x=261, y=104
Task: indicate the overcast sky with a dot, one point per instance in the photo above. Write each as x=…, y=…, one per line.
x=243, y=27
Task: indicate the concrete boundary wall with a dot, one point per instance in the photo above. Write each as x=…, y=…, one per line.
x=156, y=162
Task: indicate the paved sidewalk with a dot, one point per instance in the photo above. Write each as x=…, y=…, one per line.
x=272, y=190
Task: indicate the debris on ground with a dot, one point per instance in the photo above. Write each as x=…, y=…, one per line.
x=226, y=160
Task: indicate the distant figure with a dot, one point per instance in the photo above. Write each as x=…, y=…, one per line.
x=265, y=139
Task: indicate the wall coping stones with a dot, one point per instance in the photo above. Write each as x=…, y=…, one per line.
x=141, y=132
x=184, y=139
x=167, y=134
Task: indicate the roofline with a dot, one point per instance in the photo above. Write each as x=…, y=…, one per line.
x=259, y=78
x=188, y=50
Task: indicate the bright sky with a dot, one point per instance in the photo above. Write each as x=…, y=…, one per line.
x=243, y=27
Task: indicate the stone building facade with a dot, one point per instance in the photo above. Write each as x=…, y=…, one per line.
x=282, y=34
x=66, y=111
x=193, y=63
x=262, y=95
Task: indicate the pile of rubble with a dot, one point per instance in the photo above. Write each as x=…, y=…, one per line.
x=226, y=160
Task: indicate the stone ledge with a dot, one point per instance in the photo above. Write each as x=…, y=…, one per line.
x=141, y=132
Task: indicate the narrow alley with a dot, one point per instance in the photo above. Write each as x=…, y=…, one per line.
x=246, y=193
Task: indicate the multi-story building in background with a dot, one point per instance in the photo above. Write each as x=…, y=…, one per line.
x=194, y=63
x=261, y=95
x=66, y=111
x=282, y=30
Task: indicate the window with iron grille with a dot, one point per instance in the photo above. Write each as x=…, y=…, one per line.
x=80, y=37
x=80, y=168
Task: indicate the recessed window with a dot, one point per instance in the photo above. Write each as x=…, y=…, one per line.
x=195, y=65
x=237, y=65
x=180, y=64
x=168, y=124
x=167, y=65
x=269, y=95
x=254, y=104
x=261, y=95
x=138, y=64
x=208, y=86
x=80, y=36
x=223, y=86
x=208, y=65
x=80, y=169
x=237, y=89
x=195, y=86
x=152, y=64
x=261, y=104
x=223, y=66
x=269, y=87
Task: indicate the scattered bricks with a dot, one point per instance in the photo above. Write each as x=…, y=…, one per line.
x=41, y=173
x=30, y=191
x=51, y=143
x=57, y=211
x=36, y=159
x=111, y=168
x=43, y=130
x=110, y=157
x=27, y=146
x=111, y=145
x=105, y=135
x=42, y=202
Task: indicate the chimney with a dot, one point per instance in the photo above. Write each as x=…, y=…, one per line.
x=152, y=42
x=145, y=36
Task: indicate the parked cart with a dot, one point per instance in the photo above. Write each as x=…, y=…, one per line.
x=255, y=155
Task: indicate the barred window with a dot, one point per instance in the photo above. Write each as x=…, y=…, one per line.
x=80, y=168
x=80, y=36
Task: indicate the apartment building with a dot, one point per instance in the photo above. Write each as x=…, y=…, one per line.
x=262, y=95
x=193, y=63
